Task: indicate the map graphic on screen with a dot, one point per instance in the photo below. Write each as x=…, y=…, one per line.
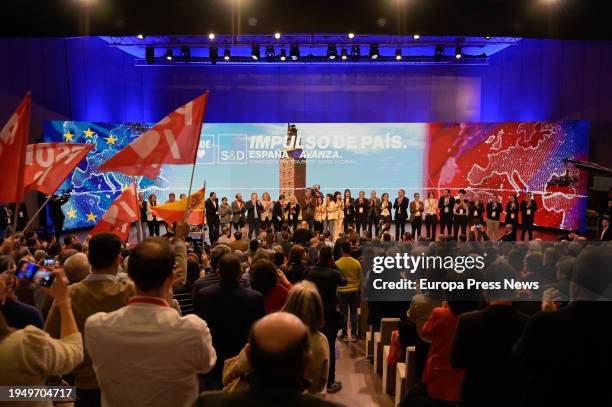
x=274, y=157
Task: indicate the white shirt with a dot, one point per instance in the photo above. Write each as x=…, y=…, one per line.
x=145, y=354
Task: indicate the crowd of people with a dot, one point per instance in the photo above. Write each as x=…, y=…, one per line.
x=254, y=317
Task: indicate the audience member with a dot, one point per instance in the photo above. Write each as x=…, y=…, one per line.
x=271, y=283
x=349, y=294
x=239, y=243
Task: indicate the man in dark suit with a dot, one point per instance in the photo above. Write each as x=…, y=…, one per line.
x=374, y=214
x=482, y=344
x=229, y=310
x=606, y=233
x=563, y=354
x=446, y=203
x=278, y=365
x=509, y=235
x=528, y=209
x=361, y=212
x=56, y=214
x=254, y=210
x=401, y=214
x=326, y=276
x=212, y=217
x=308, y=204
x=278, y=213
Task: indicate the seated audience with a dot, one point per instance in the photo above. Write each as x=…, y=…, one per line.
x=146, y=327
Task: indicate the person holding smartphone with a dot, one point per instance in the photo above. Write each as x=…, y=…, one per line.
x=29, y=355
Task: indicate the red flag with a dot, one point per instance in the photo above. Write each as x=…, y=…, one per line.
x=13, y=141
x=48, y=164
x=118, y=217
x=174, y=140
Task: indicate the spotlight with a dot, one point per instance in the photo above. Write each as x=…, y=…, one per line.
x=458, y=53
x=150, y=55
x=332, y=52
x=439, y=53
x=416, y=37
x=488, y=37
x=373, y=51
x=226, y=54
x=344, y=56
x=355, y=51
x=277, y=35
x=255, y=52
x=211, y=36
x=169, y=54
x=351, y=35
x=186, y=53
x=294, y=52
x=213, y=54
x=140, y=36
x=270, y=53
x=398, y=54
x=283, y=54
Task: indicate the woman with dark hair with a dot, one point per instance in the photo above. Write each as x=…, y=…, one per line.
x=349, y=210
x=152, y=221
x=512, y=211
x=296, y=264
x=271, y=283
x=184, y=294
x=385, y=209
x=431, y=215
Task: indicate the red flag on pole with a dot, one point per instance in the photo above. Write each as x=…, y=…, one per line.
x=13, y=141
x=174, y=140
x=48, y=164
x=119, y=216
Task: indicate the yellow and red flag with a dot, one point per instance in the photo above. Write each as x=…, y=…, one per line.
x=119, y=216
x=175, y=211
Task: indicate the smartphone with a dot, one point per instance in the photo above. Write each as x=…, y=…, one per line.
x=43, y=278
x=26, y=270
x=49, y=264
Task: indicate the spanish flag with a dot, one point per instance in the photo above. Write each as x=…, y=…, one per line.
x=175, y=211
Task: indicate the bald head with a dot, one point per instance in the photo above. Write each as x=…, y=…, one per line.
x=279, y=344
x=77, y=267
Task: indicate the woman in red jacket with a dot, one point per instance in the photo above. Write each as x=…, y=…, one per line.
x=271, y=283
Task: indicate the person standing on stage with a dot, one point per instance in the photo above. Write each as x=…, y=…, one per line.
x=374, y=214
x=494, y=210
x=293, y=212
x=266, y=216
x=253, y=215
x=460, y=211
x=385, y=209
x=416, y=215
x=349, y=210
x=340, y=210
x=278, y=213
x=56, y=213
x=319, y=215
x=308, y=204
x=238, y=211
x=152, y=221
x=446, y=204
x=401, y=213
x=361, y=212
x=476, y=213
x=331, y=213
x=512, y=210
x=528, y=209
x=225, y=214
x=431, y=215
x=212, y=217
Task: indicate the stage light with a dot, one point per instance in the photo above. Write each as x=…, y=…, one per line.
x=283, y=54
x=355, y=51
x=398, y=54
x=439, y=52
x=488, y=38
x=211, y=36
x=351, y=35
x=213, y=54
x=270, y=53
x=294, y=52
x=277, y=35
x=169, y=54
x=140, y=36
x=344, y=54
x=150, y=55
x=458, y=53
x=255, y=52
x=186, y=53
x=416, y=37
x=226, y=54
x=332, y=52
x=373, y=51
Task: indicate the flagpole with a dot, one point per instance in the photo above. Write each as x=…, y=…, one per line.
x=15, y=216
x=27, y=226
x=139, y=231
x=204, y=217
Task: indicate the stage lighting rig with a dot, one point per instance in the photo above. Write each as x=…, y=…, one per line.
x=398, y=54
x=169, y=54
x=283, y=54
x=458, y=54
x=344, y=54
x=226, y=54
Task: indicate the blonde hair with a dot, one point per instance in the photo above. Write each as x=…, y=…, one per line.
x=305, y=302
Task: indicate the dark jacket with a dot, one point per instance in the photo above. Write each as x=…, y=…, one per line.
x=374, y=211
x=494, y=207
x=361, y=208
x=308, y=207
x=482, y=344
x=212, y=211
x=476, y=212
x=302, y=237
x=327, y=280
x=55, y=207
x=250, y=208
x=278, y=211
x=442, y=206
x=401, y=210
x=532, y=208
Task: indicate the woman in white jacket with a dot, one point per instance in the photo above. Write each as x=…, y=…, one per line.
x=340, y=210
x=331, y=213
x=319, y=215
